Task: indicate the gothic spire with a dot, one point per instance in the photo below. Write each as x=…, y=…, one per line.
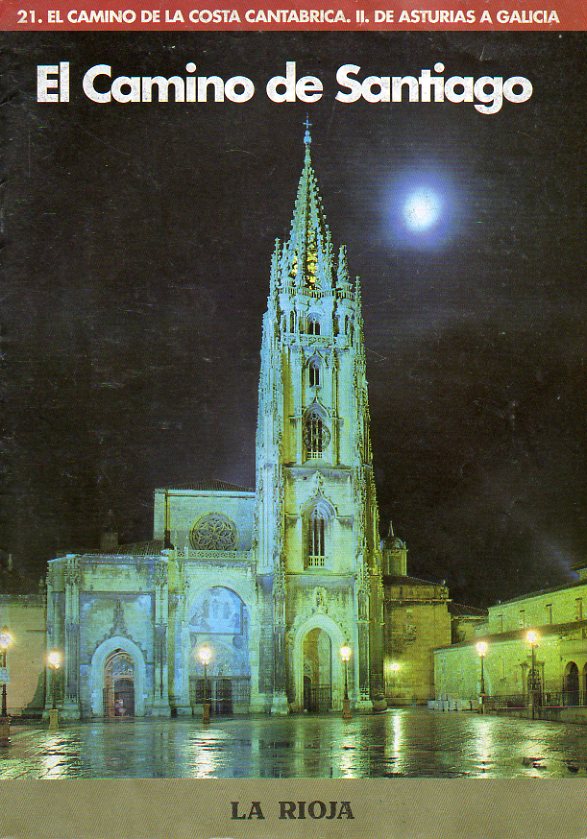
x=309, y=250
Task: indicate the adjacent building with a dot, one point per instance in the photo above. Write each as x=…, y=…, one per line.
x=535, y=643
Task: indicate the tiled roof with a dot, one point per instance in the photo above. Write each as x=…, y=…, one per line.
x=150, y=548
x=410, y=581
x=540, y=592
x=212, y=485
x=461, y=610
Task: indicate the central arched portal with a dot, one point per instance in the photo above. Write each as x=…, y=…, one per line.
x=317, y=652
x=220, y=621
x=119, y=685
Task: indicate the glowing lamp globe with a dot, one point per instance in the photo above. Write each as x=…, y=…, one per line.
x=532, y=637
x=54, y=659
x=345, y=653
x=5, y=638
x=482, y=647
x=205, y=655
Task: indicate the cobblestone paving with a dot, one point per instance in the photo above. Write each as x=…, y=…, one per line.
x=400, y=743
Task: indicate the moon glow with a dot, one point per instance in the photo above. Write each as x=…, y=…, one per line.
x=421, y=210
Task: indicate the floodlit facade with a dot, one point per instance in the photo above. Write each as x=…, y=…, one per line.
x=273, y=580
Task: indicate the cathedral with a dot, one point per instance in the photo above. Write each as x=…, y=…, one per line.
x=273, y=581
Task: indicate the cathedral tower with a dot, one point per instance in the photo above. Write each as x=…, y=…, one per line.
x=317, y=541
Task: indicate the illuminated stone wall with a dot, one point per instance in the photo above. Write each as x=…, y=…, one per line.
x=417, y=621
x=188, y=507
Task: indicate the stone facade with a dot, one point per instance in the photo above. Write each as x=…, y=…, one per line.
x=558, y=616
x=417, y=620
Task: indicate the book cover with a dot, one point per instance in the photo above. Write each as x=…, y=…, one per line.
x=293, y=468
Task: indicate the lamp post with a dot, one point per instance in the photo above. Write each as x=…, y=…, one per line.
x=345, y=654
x=5, y=643
x=532, y=638
x=54, y=663
x=205, y=656
x=482, y=647
x=394, y=668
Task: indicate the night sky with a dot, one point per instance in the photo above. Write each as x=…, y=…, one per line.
x=137, y=251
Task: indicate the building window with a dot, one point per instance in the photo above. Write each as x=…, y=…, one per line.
x=313, y=325
x=500, y=623
x=316, y=435
x=549, y=613
x=579, y=608
x=292, y=322
x=314, y=373
x=214, y=532
x=317, y=539
x=522, y=618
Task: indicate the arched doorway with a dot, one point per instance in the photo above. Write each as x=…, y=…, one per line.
x=317, y=655
x=119, y=685
x=571, y=684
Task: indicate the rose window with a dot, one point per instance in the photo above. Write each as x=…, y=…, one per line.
x=214, y=532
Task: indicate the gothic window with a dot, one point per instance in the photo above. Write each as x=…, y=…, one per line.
x=292, y=322
x=317, y=531
x=313, y=325
x=316, y=435
x=214, y=532
x=314, y=371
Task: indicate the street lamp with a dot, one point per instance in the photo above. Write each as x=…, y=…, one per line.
x=532, y=638
x=345, y=654
x=5, y=642
x=482, y=647
x=54, y=663
x=394, y=667
x=205, y=656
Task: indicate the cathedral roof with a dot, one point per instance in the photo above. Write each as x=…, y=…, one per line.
x=461, y=610
x=401, y=580
x=211, y=485
x=150, y=548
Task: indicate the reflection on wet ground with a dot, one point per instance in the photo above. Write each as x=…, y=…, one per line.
x=409, y=742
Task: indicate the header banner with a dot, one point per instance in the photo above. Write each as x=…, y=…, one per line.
x=334, y=15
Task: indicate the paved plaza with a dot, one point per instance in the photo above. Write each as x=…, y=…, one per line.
x=399, y=743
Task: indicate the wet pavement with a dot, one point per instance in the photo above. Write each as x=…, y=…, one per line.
x=410, y=742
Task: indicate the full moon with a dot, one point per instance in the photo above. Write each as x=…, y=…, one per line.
x=422, y=210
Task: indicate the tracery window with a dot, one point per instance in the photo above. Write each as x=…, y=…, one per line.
x=313, y=325
x=316, y=434
x=214, y=532
x=314, y=372
x=317, y=537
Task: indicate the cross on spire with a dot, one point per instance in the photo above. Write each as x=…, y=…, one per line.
x=307, y=135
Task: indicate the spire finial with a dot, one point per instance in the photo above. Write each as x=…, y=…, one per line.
x=307, y=135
